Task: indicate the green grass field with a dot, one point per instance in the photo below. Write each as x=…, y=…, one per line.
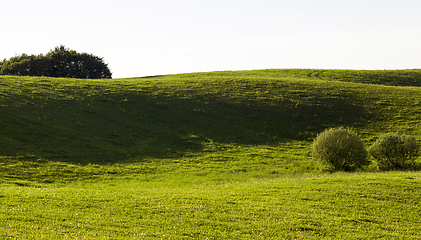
x=219, y=155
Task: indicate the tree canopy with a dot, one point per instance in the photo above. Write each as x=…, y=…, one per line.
x=59, y=62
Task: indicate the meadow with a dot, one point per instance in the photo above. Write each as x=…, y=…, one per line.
x=218, y=155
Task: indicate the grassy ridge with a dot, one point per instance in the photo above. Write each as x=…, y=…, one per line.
x=408, y=77
x=189, y=119
x=202, y=155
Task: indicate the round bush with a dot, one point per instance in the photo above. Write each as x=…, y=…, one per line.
x=394, y=151
x=341, y=149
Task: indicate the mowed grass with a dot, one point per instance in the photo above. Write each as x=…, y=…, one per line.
x=216, y=155
x=335, y=206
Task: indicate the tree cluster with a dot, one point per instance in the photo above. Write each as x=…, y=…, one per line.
x=60, y=62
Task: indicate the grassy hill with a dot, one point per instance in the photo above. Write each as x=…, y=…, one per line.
x=195, y=116
x=409, y=77
x=199, y=128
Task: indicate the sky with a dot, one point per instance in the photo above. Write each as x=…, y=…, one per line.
x=139, y=38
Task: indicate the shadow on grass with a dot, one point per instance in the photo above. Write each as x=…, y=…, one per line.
x=115, y=128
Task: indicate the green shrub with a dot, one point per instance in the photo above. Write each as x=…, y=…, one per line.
x=341, y=149
x=394, y=151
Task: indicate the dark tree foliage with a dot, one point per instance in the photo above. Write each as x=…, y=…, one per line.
x=60, y=62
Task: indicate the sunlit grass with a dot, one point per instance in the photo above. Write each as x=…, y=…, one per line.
x=347, y=206
x=217, y=155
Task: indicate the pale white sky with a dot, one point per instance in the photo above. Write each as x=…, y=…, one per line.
x=143, y=38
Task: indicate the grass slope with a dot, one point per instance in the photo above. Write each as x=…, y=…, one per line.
x=188, y=136
x=161, y=124
x=408, y=77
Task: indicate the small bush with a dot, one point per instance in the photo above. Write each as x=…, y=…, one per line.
x=341, y=149
x=394, y=151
